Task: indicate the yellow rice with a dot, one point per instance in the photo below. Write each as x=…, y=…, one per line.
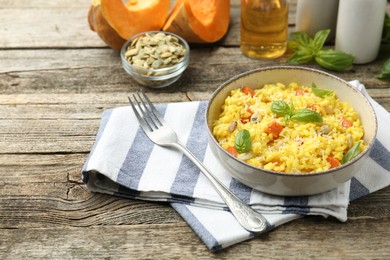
x=300, y=147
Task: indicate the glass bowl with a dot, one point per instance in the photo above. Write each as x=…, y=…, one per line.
x=152, y=64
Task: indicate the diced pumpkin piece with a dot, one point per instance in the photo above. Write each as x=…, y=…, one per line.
x=346, y=123
x=246, y=115
x=334, y=162
x=232, y=151
x=274, y=128
x=248, y=91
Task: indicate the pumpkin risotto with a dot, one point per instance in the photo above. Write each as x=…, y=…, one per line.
x=292, y=129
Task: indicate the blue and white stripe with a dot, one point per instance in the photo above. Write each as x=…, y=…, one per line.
x=124, y=162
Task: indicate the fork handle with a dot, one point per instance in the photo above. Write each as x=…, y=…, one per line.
x=250, y=219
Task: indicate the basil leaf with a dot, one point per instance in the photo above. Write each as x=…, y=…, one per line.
x=306, y=115
x=243, y=142
x=386, y=30
x=301, y=57
x=334, y=60
x=385, y=71
x=280, y=108
x=319, y=92
x=352, y=153
x=306, y=49
x=293, y=45
x=291, y=111
x=322, y=92
x=320, y=38
x=299, y=40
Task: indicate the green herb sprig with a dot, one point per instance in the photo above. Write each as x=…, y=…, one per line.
x=305, y=49
x=320, y=92
x=386, y=30
x=385, y=71
x=352, y=153
x=305, y=115
x=243, y=142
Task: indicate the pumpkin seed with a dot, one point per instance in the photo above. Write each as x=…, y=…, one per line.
x=150, y=60
x=167, y=60
x=160, y=36
x=131, y=52
x=162, y=48
x=155, y=50
x=177, y=51
x=138, y=63
x=166, y=54
x=148, y=50
x=232, y=127
x=157, y=64
x=153, y=42
x=175, y=40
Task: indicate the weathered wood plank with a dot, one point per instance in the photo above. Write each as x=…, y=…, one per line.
x=177, y=241
x=37, y=24
x=48, y=188
x=100, y=71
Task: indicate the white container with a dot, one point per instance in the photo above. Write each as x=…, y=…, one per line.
x=315, y=15
x=359, y=28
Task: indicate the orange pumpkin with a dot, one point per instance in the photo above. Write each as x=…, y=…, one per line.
x=135, y=16
x=98, y=24
x=115, y=21
x=199, y=21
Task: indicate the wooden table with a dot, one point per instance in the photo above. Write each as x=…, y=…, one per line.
x=56, y=78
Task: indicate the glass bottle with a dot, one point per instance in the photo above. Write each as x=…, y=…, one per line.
x=264, y=28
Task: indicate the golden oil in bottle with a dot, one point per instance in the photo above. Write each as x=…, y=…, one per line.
x=264, y=28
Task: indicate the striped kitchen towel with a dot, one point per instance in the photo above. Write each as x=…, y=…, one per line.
x=124, y=162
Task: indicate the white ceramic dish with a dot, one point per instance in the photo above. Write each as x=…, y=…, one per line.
x=292, y=184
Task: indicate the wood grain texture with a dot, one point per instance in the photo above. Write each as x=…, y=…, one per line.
x=56, y=79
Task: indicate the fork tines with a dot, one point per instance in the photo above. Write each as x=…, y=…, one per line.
x=145, y=112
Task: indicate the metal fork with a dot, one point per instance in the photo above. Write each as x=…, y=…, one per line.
x=157, y=129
